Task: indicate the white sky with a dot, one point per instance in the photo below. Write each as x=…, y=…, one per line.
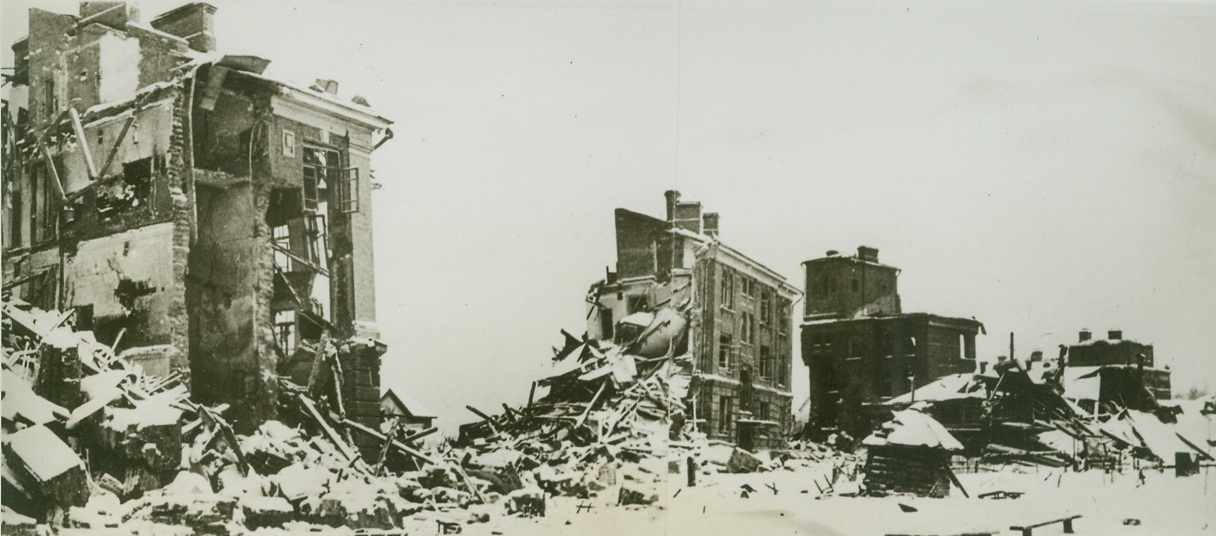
x=1042, y=166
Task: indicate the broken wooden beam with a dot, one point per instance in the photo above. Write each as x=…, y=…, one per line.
x=397, y=444
x=329, y=432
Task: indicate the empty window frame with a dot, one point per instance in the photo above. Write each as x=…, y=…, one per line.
x=728, y=288
x=724, y=348
x=766, y=362
x=637, y=304
x=748, y=328
x=282, y=238
x=323, y=169
x=725, y=412
x=285, y=331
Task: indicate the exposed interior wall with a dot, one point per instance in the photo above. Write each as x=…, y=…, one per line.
x=120, y=281
x=227, y=291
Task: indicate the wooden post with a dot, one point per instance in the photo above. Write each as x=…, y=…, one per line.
x=84, y=143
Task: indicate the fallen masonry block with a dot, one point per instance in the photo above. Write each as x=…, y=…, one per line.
x=629, y=496
x=266, y=511
x=528, y=502
x=52, y=468
x=742, y=461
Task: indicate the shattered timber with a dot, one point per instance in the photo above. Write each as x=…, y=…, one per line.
x=190, y=343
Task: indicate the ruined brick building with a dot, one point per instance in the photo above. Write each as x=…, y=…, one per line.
x=861, y=349
x=1104, y=375
x=191, y=210
x=739, y=314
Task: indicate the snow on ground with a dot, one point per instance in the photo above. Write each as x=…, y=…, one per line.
x=1165, y=505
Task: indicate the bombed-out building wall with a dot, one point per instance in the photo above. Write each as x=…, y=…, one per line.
x=739, y=317
x=861, y=349
x=179, y=199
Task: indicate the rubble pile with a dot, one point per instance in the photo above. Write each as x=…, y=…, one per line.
x=615, y=416
x=92, y=442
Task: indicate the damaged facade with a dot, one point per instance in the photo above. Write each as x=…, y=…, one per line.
x=738, y=315
x=190, y=210
x=861, y=349
x=1104, y=374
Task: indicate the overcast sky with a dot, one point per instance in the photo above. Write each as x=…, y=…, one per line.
x=1042, y=166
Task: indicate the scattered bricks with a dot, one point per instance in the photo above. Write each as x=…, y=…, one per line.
x=629, y=496
x=201, y=512
x=742, y=461
x=345, y=511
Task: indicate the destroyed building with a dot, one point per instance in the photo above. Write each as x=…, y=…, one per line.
x=861, y=349
x=1102, y=374
x=195, y=213
x=739, y=319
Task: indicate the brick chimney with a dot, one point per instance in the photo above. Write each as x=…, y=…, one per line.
x=1114, y=334
x=1085, y=335
x=326, y=85
x=673, y=197
x=113, y=14
x=710, y=224
x=867, y=253
x=194, y=22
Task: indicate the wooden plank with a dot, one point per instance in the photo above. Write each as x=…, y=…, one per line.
x=587, y=412
x=329, y=432
x=83, y=141
x=396, y=444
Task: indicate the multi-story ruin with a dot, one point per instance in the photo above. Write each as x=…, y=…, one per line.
x=861, y=349
x=1106, y=375
x=739, y=317
x=194, y=213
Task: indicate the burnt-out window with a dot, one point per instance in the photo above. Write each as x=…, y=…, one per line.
x=766, y=306
x=50, y=101
x=131, y=191
x=606, y=323
x=282, y=238
x=348, y=190
x=724, y=348
x=748, y=328
x=322, y=167
x=285, y=331
x=638, y=304
x=15, y=222
x=44, y=216
x=725, y=413
x=766, y=362
x=728, y=288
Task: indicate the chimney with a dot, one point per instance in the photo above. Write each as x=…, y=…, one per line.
x=688, y=217
x=326, y=86
x=710, y=227
x=194, y=22
x=673, y=197
x=1085, y=335
x=1114, y=334
x=867, y=253
x=113, y=14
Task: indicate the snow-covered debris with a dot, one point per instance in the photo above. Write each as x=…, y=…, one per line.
x=913, y=428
